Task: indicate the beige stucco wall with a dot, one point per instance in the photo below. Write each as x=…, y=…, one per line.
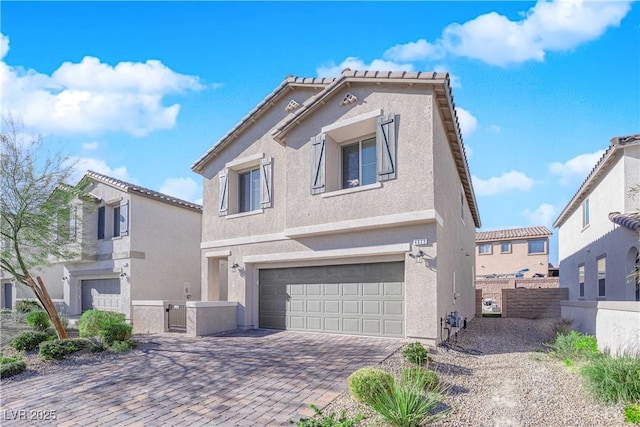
x=206, y=318
x=509, y=263
x=149, y=317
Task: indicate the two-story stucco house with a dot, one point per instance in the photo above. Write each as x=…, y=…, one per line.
x=598, y=229
x=522, y=252
x=134, y=244
x=343, y=205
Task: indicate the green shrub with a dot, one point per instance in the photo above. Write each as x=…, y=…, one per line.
x=613, y=380
x=38, y=320
x=93, y=321
x=426, y=378
x=30, y=340
x=58, y=349
x=26, y=306
x=416, y=353
x=122, y=346
x=14, y=368
x=8, y=359
x=575, y=346
x=112, y=332
x=365, y=382
x=632, y=414
x=407, y=404
x=330, y=420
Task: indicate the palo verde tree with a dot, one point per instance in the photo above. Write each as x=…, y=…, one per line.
x=35, y=211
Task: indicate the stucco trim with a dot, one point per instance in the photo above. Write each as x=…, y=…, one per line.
x=149, y=303
x=200, y=304
x=353, y=120
x=351, y=190
x=244, y=161
x=241, y=214
x=328, y=254
x=217, y=254
x=406, y=218
x=261, y=238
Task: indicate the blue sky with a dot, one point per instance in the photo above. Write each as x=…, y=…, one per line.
x=140, y=90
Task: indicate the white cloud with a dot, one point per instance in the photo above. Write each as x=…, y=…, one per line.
x=82, y=164
x=90, y=146
x=183, y=188
x=92, y=97
x=468, y=122
x=542, y=215
x=546, y=27
x=576, y=169
x=4, y=46
x=354, y=63
x=493, y=129
x=512, y=180
x=414, y=51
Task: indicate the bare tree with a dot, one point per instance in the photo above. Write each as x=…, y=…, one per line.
x=34, y=206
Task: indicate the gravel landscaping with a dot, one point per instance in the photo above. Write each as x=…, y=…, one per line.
x=512, y=382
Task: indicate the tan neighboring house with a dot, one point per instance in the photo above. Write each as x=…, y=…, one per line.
x=135, y=244
x=514, y=252
x=342, y=205
x=599, y=243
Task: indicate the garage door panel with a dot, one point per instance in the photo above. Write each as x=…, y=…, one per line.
x=392, y=288
x=314, y=323
x=393, y=308
x=296, y=322
x=350, y=289
x=314, y=306
x=332, y=289
x=371, y=326
x=314, y=290
x=371, y=289
x=295, y=290
x=332, y=307
x=350, y=325
x=393, y=327
x=332, y=324
x=371, y=308
x=351, y=307
x=297, y=306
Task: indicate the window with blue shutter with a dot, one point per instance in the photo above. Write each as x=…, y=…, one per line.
x=386, y=146
x=318, y=174
x=124, y=218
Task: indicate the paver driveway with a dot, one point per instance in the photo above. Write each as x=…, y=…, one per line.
x=250, y=378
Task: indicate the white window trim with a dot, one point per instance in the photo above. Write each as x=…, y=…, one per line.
x=238, y=165
x=485, y=253
x=352, y=190
x=248, y=213
x=510, y=248
x=545, y=248
x=372, y=115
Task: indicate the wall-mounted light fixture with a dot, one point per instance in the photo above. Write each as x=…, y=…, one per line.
x=64, y=278
x=234, y=267
x=419, y=257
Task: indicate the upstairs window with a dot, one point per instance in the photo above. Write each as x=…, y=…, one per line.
x=249, y=191
x=101, y=222
x=536, y=247
x=116, y=221
x=581, y=281
x=359, y=163
x=585, y=213
x=246, y=185
x=505, y=247
x=484, y=248
x=602, y=275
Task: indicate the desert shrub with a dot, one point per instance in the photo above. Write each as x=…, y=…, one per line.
x=319, y=420
x=365, y=382
x=30, y=340
x=26, y=306
x=58, y=349
x=14, y=368
x=406, y=404
x=112, y=332
x=614, y=379
x=8, y=359
x=426, y=378
x=122, y=346
x=632, y=414
x=38, y=320
x=562, y=327
x=93, y=321
x=575, y=346
x=416, y=353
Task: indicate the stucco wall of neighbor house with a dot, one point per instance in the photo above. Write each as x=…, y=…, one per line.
x=508, y=263
x=206, y=318
x=456, y=235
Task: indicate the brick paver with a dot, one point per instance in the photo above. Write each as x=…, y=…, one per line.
x=249, y=378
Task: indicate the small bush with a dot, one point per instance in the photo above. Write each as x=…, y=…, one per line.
x=122, y=346
x=330, y=420
x=8, y=359
x=112, y=332
x=93, y=321
x=427, y=379
x=30, y=340
x=26, y=306
x=613, y=380
x=575, y=346
x=632, y=414
x=14, y=368
x=365, y=382
x=562, y=327
x=58, y=349
x=416, y=353
x=38, y=320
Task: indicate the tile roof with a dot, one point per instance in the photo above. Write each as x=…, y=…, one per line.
x=513, y=233
x=132, y=188
x=617, y=143
x=629, y=220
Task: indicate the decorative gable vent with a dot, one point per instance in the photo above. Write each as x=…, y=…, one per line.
x=292, y=105
x=348, y=99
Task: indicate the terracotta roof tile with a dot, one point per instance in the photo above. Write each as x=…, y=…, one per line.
x=513, y=233
x=629, y=220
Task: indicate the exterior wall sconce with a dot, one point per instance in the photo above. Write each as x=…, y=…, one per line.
x=123, y=274
x=64, y=278
x=419, y=257
x=234, y=267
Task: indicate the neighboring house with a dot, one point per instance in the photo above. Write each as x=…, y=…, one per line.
x=133, y=244
x=515, y=252
x=598, y=230
x=343, y=206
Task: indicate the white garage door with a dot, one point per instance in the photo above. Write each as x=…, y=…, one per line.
x=358, y=299
x=101, y=294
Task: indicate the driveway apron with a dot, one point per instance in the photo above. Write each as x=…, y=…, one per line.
x=250, y=378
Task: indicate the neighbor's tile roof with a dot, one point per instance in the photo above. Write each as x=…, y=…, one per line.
x=629, y=220
x=601, y=167
x=512, y=234
x=132, y=188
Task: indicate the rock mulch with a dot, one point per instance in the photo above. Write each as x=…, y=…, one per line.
x=512, y=382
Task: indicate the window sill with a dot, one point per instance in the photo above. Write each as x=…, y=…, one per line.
x=601, y=298
x=241, y=214
x=352, y=190
x=585, y=227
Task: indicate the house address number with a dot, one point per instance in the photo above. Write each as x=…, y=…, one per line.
x=420, y=242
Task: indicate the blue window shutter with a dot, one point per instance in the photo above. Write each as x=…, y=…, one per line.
x=386, y=146
x=223, y=201
x=266, y=182
x=124, y=218
x=101, y=222
x=318, y=164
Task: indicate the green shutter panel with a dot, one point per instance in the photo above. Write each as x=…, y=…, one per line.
x=266, y=182
x=223, y=201
x=318, y=164
x=386, y=146
x=124, y=218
